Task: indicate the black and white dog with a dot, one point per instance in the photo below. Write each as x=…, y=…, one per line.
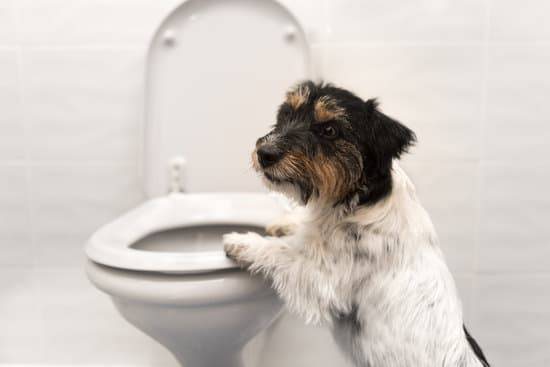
x=360, y=254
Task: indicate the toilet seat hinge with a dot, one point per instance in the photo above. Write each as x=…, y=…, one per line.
x=176, y=174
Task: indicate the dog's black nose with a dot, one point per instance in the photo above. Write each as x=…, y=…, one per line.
x=268, y=155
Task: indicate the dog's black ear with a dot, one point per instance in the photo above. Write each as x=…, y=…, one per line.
x=371, y=105
x=390, y=137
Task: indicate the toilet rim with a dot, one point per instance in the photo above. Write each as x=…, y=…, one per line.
x=111, y=244
x=197, y=289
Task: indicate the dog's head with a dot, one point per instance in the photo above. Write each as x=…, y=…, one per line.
x=330, y=145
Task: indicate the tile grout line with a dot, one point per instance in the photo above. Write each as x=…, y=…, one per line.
x=140, y=149
x=404, y=43
x=481, y=149
x=513, y=274
x=132, y=46
x=123, y=46
x=28, y=157
x=26, y=128
x=26, y=133
x=55, y=163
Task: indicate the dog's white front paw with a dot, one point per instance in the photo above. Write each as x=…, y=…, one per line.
x=241, y=246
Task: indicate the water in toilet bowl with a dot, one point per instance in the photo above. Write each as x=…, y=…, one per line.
x=191, y=239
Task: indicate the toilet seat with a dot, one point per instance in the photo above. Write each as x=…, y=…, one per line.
x=111, y=244
x=212, y=67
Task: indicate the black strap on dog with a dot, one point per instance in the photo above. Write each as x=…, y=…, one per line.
x=476, y=348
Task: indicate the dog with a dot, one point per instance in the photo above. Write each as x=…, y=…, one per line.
x=359, y=253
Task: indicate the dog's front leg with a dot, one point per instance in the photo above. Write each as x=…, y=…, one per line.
x=308, y=288
x=250, y=248
x=287, y=224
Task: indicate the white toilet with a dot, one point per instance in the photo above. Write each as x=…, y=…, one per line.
x=216, y=71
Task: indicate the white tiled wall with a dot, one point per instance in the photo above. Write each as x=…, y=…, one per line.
x=470, y=77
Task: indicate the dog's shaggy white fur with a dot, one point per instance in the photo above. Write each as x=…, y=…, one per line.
x=374, y=274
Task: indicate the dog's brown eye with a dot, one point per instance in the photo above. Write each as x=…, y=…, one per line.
x=329, y=131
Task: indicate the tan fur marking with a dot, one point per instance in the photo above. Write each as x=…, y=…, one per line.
x=298, y=96
x=330, y=177
x=292, y=165
x=327, y=109
x=329, y=181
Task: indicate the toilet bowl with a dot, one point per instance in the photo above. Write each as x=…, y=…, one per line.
x=164, y=267
x=216, y=70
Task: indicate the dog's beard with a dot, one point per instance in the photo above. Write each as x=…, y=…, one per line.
x=275, y=183
x=283, y=186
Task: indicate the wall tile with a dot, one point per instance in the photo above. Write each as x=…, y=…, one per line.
x=8, y=32
x=70, y=202
x=12, y=133
x=81, y=324
x=395, y=20
x=22, y=338
x=513, y=220
x=517, y=106
x=525, y=22
x=449, y=191
x=465, y=285
x=83, y=105
x=513, y=319
x=291, y=343
x=85, y=23
x=421, y=85
x=446, y=140
x=310, y=15
x=15, y=232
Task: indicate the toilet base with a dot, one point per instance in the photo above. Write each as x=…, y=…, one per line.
x=193, y=345
x=204, y=320
x=206, y=359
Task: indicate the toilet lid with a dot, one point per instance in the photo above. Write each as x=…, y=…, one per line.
x=216, y=72
x=112, y=244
